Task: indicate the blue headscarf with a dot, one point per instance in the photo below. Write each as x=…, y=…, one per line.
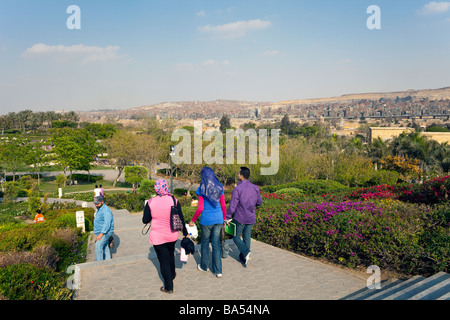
x=210, y=187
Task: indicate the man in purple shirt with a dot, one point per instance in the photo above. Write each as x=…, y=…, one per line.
x=244, y=199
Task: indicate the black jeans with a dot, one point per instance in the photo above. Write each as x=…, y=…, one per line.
x=166, y=257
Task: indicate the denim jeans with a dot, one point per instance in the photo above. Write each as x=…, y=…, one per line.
x=211, y=234
x=102, y=251
x=244, y=243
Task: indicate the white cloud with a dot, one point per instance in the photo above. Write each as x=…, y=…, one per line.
x=88, y=54
x=435, y=8
x=201, y=13
x=345, y=61
x=270, y=53
x=216, y=63
x=207, y=65
x=235, y=29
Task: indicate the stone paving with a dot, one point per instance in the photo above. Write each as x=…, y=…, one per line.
x=271, y=274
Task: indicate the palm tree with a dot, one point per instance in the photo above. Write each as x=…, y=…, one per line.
x=377, y=150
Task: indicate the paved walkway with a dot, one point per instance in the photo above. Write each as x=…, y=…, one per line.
x=272, y=273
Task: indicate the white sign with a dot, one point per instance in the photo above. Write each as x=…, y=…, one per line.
x=80, y=220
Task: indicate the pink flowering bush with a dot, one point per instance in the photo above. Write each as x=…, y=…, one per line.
x=434, y=191
x=430, y=192
x=406, y=238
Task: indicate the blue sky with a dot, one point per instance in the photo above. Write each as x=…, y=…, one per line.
x=133, y=53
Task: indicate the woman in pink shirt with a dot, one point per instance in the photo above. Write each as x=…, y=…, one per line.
x=163, y=239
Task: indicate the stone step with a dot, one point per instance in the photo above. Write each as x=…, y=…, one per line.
x=418, y=287
x=398, y=287
x=446, y=296
x=363, y=294
x=435, y=291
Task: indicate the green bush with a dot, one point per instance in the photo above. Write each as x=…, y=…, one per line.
x=133, y=202
x=290, y=191
x=383, y=177
x=86, y=177
x=393, y=235
x=147, y=188
x=28, y=282
x=310, y=187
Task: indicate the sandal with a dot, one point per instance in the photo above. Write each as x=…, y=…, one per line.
x=166, y=291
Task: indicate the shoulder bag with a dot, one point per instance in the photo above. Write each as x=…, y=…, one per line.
x=175, y=220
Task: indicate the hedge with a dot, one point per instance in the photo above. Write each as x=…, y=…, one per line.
x=34, y=258
x=28, y=282
x=403, y=237
x=310, y=187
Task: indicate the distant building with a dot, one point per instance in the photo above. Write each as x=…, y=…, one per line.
x=387, y=133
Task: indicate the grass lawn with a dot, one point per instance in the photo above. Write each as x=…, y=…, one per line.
x=82, y=186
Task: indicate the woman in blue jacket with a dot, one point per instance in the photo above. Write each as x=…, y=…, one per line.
x=211, y=206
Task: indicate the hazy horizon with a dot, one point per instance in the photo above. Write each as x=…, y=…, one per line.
x=126, y=55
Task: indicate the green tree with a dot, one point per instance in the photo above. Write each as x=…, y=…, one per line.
x=37, y=157
x=12, y=154
x=122, y=148
x=225, y=123
x=75, y=148
x=135, y=175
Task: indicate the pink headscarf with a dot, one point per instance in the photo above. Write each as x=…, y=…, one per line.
x=161, y=187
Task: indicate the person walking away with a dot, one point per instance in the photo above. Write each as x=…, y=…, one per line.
x=103, y=229
x=212, y=208
x=157, y=212
x=244, y=199
x=97, y=191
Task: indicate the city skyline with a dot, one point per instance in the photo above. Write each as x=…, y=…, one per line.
x=126, y=55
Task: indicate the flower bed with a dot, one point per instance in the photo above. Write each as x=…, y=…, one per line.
x=400, y=237
x=34, y=258
x=430, y=192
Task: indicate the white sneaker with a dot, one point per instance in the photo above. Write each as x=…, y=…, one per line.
x=247, y=258
x=200, y=268
x=219, y=275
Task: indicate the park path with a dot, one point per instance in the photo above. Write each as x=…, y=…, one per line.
x=272, y=274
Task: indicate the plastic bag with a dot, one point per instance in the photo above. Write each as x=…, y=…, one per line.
x=183, y=256
x=192, y=231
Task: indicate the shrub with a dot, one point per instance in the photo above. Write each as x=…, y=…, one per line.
x=147, y=188
x=11, y=191
x=133, y=202
x=430, y=192
x=359, y=233
x=86, y=177
x=43, y=256
x=289, y=191
x=383, y=177
x=30, y=282
x=310, y=187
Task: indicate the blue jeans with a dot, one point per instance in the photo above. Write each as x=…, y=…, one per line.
x=102, y=251
x=211, y=233
x=244, y=243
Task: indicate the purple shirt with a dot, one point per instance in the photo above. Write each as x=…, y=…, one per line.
x=244, y=199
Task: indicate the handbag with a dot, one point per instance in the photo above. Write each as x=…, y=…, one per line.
x=225, y=248
x=148, y=228
x=175, y=220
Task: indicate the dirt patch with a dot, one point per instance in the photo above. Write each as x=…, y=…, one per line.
x=26, y=220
